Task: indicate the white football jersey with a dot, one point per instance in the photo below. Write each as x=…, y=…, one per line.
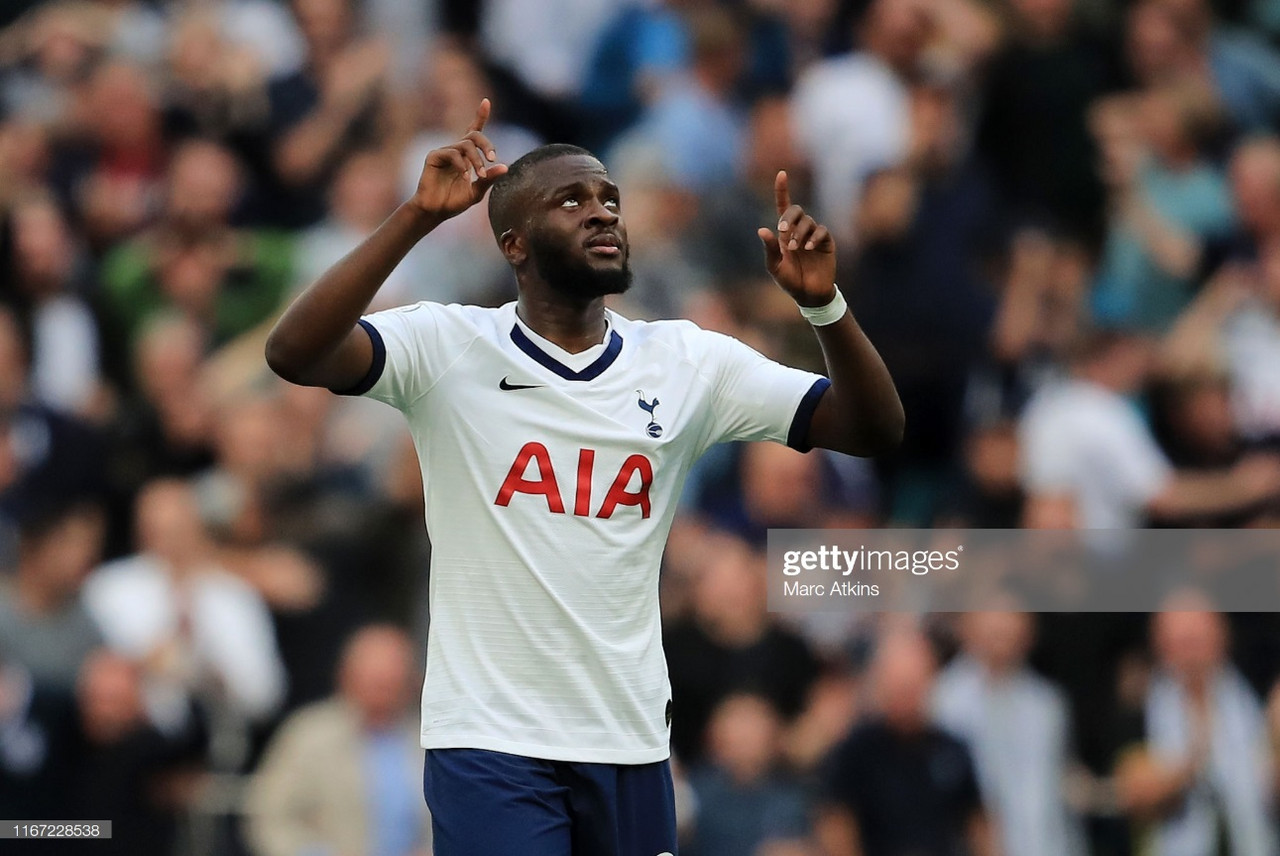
x=551, y=480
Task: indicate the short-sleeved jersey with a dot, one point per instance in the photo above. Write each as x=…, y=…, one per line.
x=551, y=480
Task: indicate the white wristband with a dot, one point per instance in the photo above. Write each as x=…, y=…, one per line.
x=821, y=316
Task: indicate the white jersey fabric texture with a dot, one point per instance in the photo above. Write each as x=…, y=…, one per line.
x=551, y=480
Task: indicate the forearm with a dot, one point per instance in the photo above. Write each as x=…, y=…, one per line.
x=314, y=326
x=1190, y=347
x=304, y=150
x=861, y=413
x=1014, y=329
x=1195, y=494
x=1177, y=253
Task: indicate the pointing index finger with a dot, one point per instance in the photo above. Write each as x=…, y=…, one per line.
x=781, y=192
x=482, y=116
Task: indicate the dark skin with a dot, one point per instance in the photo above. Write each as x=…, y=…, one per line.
x=572, y=202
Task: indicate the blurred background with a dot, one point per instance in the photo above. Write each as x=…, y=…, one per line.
x=1059, y=221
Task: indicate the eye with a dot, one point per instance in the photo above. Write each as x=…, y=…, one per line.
x=571, y=202
x=612, y=202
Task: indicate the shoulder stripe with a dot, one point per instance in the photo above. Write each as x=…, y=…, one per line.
x=798, y=436
x=375, y=369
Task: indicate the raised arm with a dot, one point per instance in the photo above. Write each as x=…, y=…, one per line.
x=860, y=414
x=317, y=341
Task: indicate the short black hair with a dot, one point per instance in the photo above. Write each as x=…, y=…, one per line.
x=506, y=190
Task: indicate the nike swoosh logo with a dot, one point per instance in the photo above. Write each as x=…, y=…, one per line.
x=505, y=385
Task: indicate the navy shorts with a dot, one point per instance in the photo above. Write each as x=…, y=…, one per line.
x=494, y=804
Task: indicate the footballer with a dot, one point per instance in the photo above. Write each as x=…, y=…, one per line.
x=554, y=436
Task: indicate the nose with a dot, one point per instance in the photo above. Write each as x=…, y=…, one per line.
x=600, y=215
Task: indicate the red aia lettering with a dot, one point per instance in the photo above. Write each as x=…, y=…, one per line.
x=586, y=463
x=618, y=493
x=545, y=484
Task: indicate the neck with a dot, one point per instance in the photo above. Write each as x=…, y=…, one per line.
x=1102, y=378
x=570, y=324
x=1198, y=685
x=998, y=673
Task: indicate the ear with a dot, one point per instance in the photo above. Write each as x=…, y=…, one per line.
x=513, y=247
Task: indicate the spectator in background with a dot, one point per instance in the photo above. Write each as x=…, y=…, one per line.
x=50, y=54
x=131, y=28
x=26, y=155
x=53, y=459
x=1202, y=778
x=1168, y=201
x=164, y=424
x=363, y=193
x=193, y=261
x=266, y=30
x=719, y=236
x=744, y=801
x=1242, y=68
x=852, y=113
x=44, y=622
x=335, y=105
x=898, y=785
x=746, y=489
x=252, y=458
x=1191, y=417
x=661, y=212
x=696, y=123
x=216, y=89
x=46, y=285
x=731, y=644
x=456, y=262
x=926, y=229
x=1085, y=444
x=1017, y=727
x=641, y=50
x=1254, y=173
x=341, y=776
x=298, y=529
x=539, y=54
x=129, y=771
x=201, y=633
x=38, y=743
x=813, y=29
x=990, y=494
x=1041, y=310
x=1035, y=98
x=1233, y=328
x=115, y=180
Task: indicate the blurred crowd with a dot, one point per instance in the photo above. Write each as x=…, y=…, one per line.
x=1058, y=220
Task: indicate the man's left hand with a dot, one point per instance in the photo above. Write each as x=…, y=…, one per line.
x=801, y=257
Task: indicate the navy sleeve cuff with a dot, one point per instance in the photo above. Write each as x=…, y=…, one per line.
x=375, y=369
x=798, y=436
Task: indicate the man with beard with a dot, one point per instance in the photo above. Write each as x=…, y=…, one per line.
x=554, y=436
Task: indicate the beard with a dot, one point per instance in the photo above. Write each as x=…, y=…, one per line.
x=573, y=277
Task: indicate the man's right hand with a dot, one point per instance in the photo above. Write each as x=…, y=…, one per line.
x=317, y=341
x=456, y=176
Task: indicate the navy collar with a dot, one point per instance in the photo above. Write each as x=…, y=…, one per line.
x=591, y=372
